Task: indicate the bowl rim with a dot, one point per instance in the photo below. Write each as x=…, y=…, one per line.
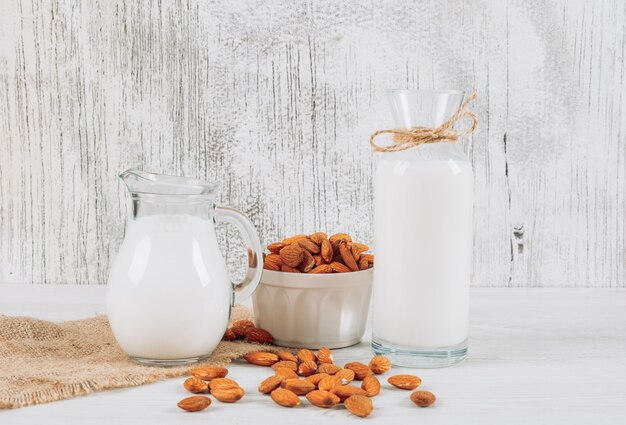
x=317, y=281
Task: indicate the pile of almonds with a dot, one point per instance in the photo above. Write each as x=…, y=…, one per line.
x=246, y=330
x=317, y=377
x=317, y=253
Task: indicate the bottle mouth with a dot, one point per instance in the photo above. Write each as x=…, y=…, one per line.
x=144, y=183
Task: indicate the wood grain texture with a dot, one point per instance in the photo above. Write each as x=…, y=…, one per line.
x=275, y=100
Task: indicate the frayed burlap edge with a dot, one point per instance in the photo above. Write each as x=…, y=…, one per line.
x=42, y=361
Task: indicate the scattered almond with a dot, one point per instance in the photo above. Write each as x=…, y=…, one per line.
x=226, y=390
x=360, y=370
x=328, y=368
x=270, y=384
x=244, y=323
x=359, y=405
x=284, y=373
x=345, y=391
x=423, y=398
x=405, y=382
x=229, y=335
x=209, y=372
x=315, y=379
x=346, y=374
x=324, y=355
x=306, y=355
x=195, y=385
x=261, y=358
x=371, y=385
x=286, y=355
x=258, y=336
x=285, y=363
x=298, y=386
x=324, y=399
x=307, y=368
x=380, y=364
x=194, y=403
x=329, y=382
x=285, y=397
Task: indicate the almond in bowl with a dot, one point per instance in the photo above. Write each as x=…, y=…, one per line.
x=315, y=291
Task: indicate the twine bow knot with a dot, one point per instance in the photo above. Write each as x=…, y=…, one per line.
x=408, y=138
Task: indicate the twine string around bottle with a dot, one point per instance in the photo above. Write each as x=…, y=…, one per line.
x=408, y=138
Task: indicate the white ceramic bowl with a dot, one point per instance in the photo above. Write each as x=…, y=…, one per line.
x=313, y=310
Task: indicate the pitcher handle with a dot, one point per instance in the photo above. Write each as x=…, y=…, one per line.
x=246, y=287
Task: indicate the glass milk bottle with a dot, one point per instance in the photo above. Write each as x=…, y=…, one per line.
x=423, y=239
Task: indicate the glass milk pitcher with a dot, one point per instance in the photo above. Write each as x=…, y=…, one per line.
x=169, y=294
x=423, y=239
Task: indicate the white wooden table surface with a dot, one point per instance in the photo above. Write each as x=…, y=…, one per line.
x=553, y=356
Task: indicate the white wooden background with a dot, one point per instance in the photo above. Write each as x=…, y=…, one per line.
x=276, y=100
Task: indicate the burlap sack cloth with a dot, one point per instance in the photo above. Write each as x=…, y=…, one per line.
x=42, y=361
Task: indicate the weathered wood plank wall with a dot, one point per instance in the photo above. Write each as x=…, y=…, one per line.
x=275, y=100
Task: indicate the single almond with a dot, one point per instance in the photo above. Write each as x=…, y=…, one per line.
x=321, y=269
x=345, y=374
x=324, y=355
x=369, y=258
x=285, y=397
x=284, y=373
x=274, y=259
x=288, y=269
x=361, y=246
x=348, y=259
x=275, y=247
x=270, y=384
x=371, y=385
x=359, y=405
x=244, y=323
x=307, y=368
x=423, y=398
x=309, y=245
x=318, y=260
x=226, y=390
x=324, y=399
x=326, y=251
x=318, y=237
x=195, y=385
x=194, y=403
x=298, y=386
x=308, y=262
x=339, y=267
x=229, y=335
x=286, y=355
x=340, y=237
x=328, y=368
x=240, y=331
x=230, y=395
x=315, y=379
x=271, y=266
x=306, y=355
x=345, y=391
x=285, y=363
x=328, y=383
x=363, y=264
x=360, y=370
x=258, y=336
x=293, y=239
x=291, y=255
x=209, y=372
x=405, y=382
x=380, y=364
x=356, y=254
x=261, y=358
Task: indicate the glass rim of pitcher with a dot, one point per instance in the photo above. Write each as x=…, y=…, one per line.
x=425, y=91
x=166, y=185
